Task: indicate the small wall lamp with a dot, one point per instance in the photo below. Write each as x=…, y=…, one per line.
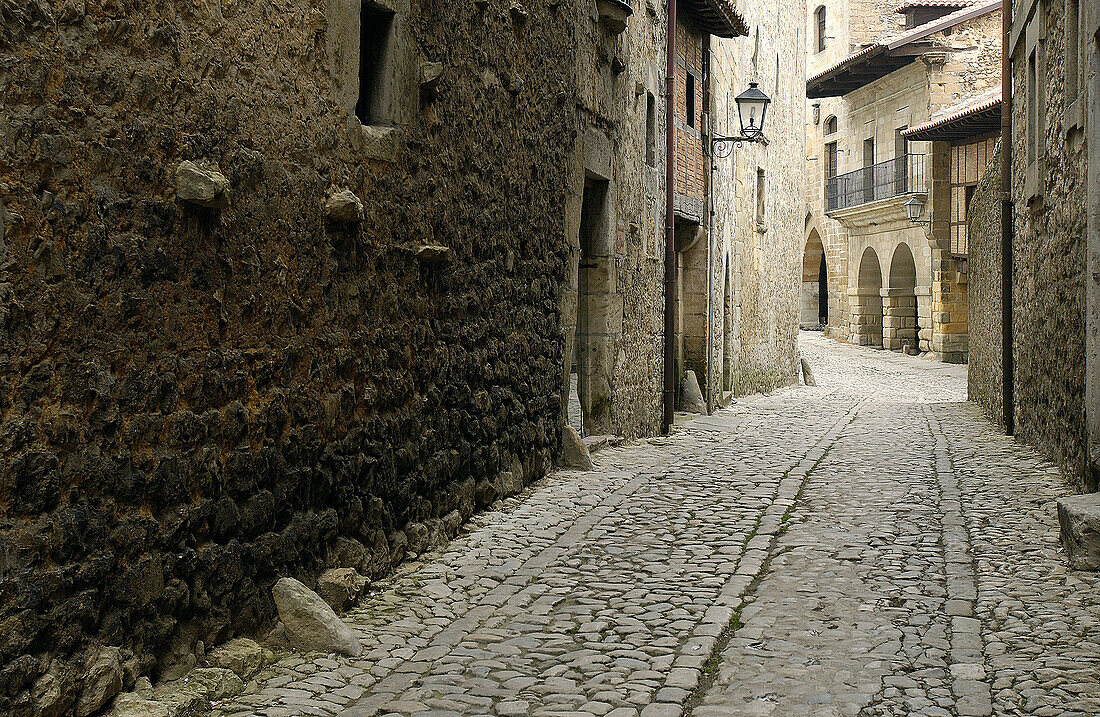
x=752, y=110
x=913, y=209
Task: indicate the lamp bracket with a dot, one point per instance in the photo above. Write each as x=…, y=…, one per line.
x=719, y=141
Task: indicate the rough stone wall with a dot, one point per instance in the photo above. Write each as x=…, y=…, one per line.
x=972, y=63
x=871, y=20
x=1049, y=255
x=194, y=402
x=764, y=258
x=984, y=372
x=616, y=74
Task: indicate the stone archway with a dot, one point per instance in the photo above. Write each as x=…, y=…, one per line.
x=899, y=323
x=815, y=285
x=867, y=301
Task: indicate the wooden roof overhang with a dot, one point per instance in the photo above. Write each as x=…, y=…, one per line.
x=716, y=17
x=862, y=68
x=973, y=123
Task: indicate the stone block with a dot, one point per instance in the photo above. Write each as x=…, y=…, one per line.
x=310, y=623
x=1079, y=521
x=691, y=396
x=202, y=184
x=574, y=454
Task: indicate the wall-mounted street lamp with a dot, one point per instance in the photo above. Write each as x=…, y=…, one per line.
x=752, y=109
x=913, y=209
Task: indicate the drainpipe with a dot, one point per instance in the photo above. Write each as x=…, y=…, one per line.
x=670, y=225
x=1007, y=227
x=708, y=99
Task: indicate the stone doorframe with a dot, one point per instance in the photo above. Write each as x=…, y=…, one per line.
x=1090, y=95
x=594, y=305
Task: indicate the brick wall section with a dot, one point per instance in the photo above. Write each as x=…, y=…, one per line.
x=194, y=402
x=985, y=378
x=690, y=161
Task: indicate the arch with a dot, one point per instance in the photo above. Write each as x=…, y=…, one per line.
x=867, y=302
x=899, y=322
x=903, y=269
x=830, y=125
x=814, y=309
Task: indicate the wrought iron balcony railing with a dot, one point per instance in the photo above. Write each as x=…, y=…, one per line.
x=892, y=178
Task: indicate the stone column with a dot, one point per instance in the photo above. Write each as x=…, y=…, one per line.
x=865, y=316
x=924, y=317
x=899, y=318
x=949, y=319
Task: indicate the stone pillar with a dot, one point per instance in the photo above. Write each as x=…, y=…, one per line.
x=924, y=317
x=899, y=318
x=810, y=318
x=949, y=320
x=865, y=317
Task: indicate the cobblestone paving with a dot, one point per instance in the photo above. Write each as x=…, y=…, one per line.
x=868, y=546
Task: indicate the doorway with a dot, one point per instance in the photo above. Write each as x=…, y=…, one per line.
x=814, y=314
x=591, y=373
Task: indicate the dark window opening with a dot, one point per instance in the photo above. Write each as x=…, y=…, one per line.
x=830, y=125
x=690, y=100
x=760, y=199
x=1073, y=50
x=901, y=144
x=375, y=26
x=819, y=15
x=650, y=129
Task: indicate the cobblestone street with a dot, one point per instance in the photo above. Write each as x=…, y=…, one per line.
x=868, y=546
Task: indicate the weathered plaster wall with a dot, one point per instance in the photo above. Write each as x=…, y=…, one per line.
x=194, y=402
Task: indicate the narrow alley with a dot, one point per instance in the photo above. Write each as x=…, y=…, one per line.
x=871, y=545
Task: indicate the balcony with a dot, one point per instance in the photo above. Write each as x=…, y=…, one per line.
x=895, y=177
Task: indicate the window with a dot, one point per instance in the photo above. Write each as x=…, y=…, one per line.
x=868, y=177
x=830, y=125
x=690, y=99
x=819, y=18
x=760, y=196
x=830, y=161
x=375, y=26
x=1032, y=108
x=901, y=144
x=1073, y=50
x=650, y=129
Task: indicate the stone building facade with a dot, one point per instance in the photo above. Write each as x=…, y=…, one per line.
x=314, y=305
x=612, y=305
x=1055, y=192
x=757, y=232
x=890, y=282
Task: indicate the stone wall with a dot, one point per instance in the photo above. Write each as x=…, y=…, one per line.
x=985, y=379
x=758, y=244
x=196, y=401
x=620, y=270
x=1050, y=201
